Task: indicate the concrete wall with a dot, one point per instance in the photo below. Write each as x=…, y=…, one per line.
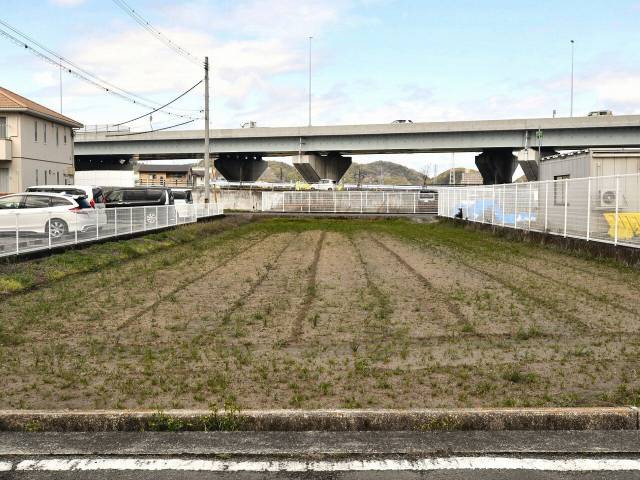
x=245, y=200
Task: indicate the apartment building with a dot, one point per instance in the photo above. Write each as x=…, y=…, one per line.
x=36, y=144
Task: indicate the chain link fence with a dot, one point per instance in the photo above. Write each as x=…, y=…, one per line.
x=350, y=202
x=22, y=231
x=604, y=209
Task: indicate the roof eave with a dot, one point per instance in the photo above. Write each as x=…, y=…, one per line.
x=69, y=123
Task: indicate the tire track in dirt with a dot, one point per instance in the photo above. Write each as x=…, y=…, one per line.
x=310, y=292
x=588, y=294
x=255, y=285
x=612, y=277
x=522, y=292
x=438, y=294
x=190, y=281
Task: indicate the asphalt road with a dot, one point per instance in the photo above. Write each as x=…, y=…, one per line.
x=321, y=455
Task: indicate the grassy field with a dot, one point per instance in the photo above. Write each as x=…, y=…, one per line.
x=308, y=313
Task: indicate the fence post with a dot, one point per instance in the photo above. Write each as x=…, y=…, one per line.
x=17, y=233
x=415, y=201
x=76, y=232
x=515, y=209
x=335, y=206
x=566, y=205
x=615, y=242
x=360, y=201
x=49, y=229
x=546, y=207
x=97, y=226
x=530, y=194
x=115, y=221
x=387, y=201
x=130, y=219
x=504, y=192
x=589, y=209
x=157, y=213
x=493, y=208
x=309, y=201
x=283, y=194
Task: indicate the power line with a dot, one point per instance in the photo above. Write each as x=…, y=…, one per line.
x=71, y=68
x=157, y=33
x=159, y=108
x=151, y=131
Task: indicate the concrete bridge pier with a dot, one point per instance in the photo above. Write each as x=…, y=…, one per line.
x=240, y=167
x=496, y=165
x=529, y=160
x=314, y=167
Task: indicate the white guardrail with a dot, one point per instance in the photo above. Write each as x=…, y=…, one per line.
x=22, y=231
x=349, y=202
x=604, y=209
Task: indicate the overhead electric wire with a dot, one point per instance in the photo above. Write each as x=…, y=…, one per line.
x=157, y=33
x=77, y=71
x=154, y=130
x=159, y=108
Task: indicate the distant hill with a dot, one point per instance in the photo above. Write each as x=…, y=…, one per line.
x=378, y=172
x=280, y=172
x=444, y=177
x=370, y=173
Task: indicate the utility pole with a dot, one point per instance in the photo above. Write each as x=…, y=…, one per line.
x=207, y=193
x=572, y=58
x=310, y=38
x=452, y=172
x=60, y=87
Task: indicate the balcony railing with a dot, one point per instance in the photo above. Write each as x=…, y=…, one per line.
x=167, y=182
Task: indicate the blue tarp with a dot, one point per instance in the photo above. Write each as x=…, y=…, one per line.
x=473, y=210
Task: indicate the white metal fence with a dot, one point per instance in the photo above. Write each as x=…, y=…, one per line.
x=349, y=202
x=22, y=231
x=604, y=209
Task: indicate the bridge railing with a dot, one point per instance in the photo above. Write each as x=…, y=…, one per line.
x=22, y=231
x=604, y=209
x=349, y=202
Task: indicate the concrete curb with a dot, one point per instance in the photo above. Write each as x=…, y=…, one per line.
x=621, y=418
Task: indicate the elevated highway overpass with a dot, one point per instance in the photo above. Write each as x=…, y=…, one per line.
x=325, y=151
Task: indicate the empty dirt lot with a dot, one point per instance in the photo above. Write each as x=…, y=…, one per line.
x=291, y=313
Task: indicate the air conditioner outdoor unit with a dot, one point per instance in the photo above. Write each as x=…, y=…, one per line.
x=607, y=198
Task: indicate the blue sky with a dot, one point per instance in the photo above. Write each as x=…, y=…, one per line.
x=373, y=60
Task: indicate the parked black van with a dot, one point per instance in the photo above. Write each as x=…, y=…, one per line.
x=137, y=196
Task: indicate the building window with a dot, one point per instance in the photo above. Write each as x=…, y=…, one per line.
x=3, y=127
x=57, y=136
x=57, y=178
x=35, y=130
x=44, y=132
x=559, y=189
x=64, y=134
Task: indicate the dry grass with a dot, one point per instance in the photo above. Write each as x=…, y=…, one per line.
x=322, y=313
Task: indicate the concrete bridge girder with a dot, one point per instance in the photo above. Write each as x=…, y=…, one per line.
x=313, y=167
x=240, y=167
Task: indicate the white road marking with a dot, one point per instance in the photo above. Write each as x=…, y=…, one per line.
x=5, y=466
x=446, y=463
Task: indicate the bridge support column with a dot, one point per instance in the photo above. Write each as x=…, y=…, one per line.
x=529, y=160
x=240, y=167
x=313, y=167
x=496, y=165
